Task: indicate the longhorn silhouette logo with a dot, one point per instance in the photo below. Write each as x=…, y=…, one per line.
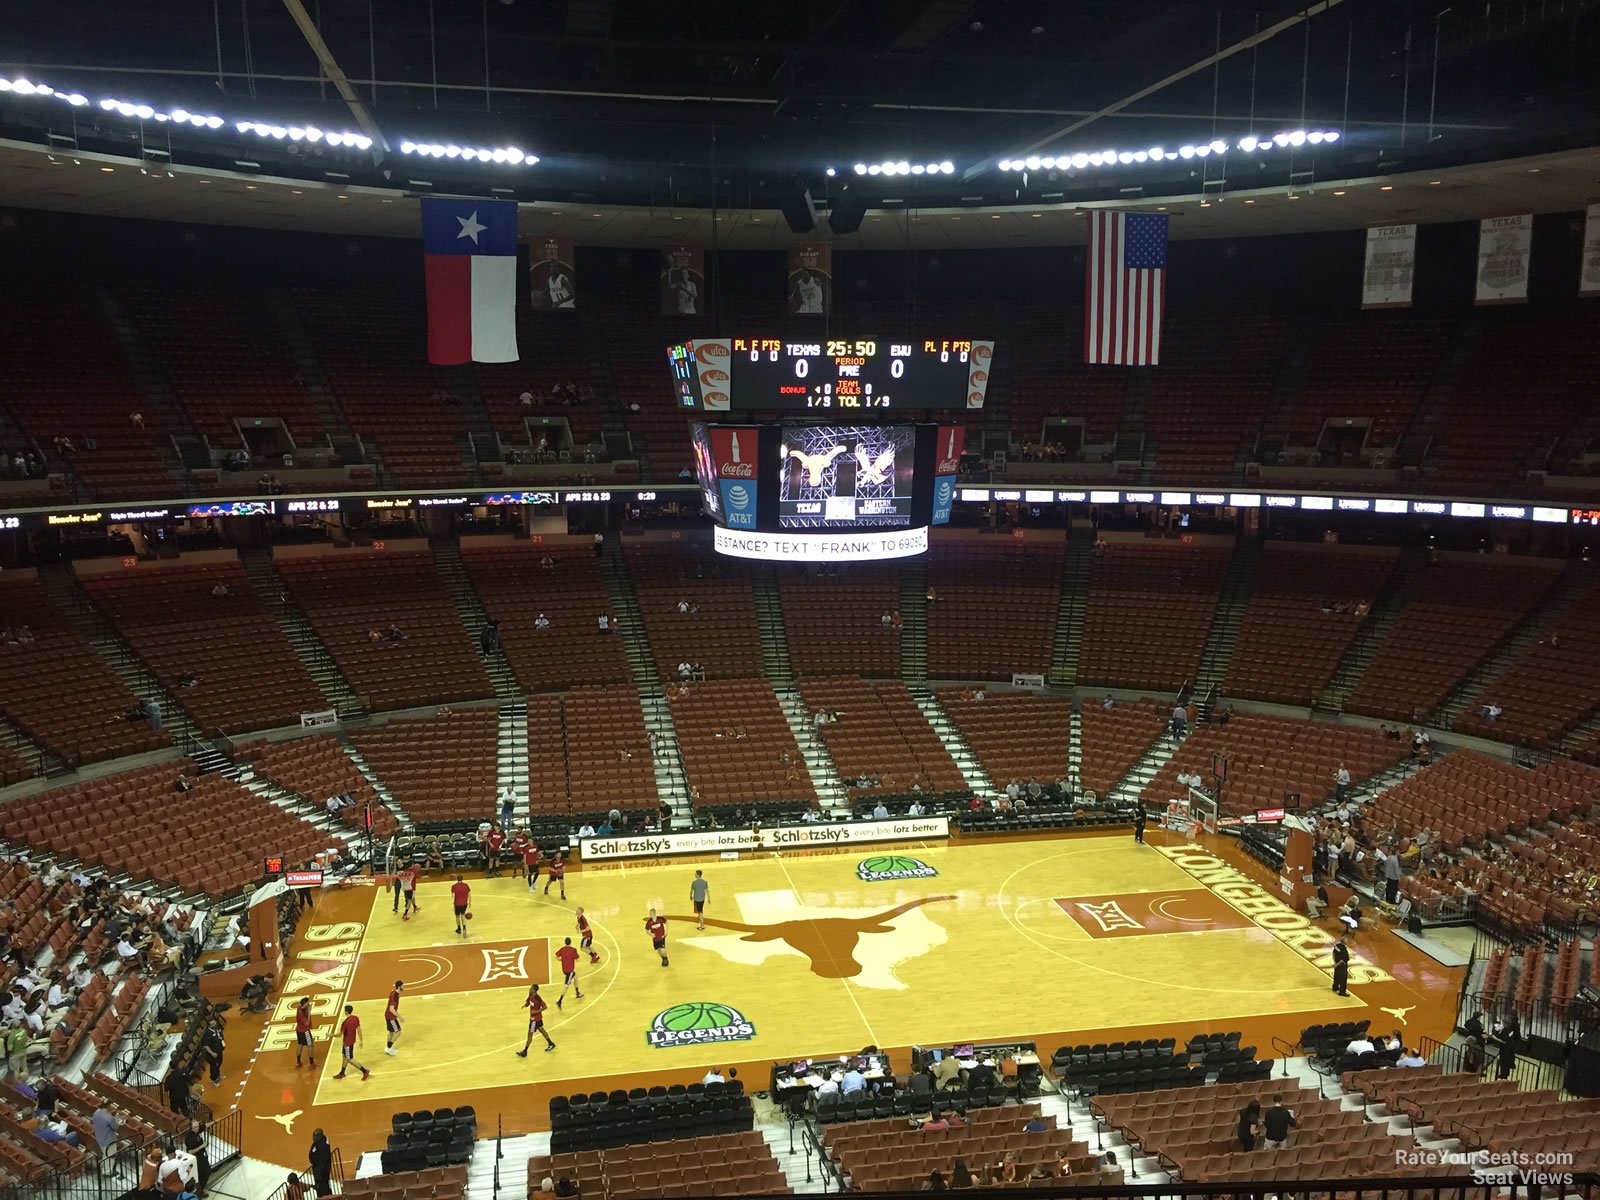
x=816, y=464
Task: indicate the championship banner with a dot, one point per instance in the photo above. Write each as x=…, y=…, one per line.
x=946, y=467
x=683, y=281
x=552, y=273
x=810, y=279
x=1391, y=264
x=1589, y=274
x=1504, y=245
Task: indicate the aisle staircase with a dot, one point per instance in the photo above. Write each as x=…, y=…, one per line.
x=163, y=410
x=629, y=621
x=1581, y=734
x=447, y=561
x=511, y=752
x=914, y=620
x=308, y=647
x=831, y=795
x=775, y=661
x=309, y=811
x=64, y=589
x=1131, y=786
x=1070, y=606
x=295, y=335
x=39, y=760
x=1223, y=635
x=1390, y=601
x=955, y=745
x=1575, y=578
x=407, y=825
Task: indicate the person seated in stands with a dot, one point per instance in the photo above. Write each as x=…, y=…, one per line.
x=947, y=1071
x=1036, y=1125
x=1107, y=704
x=1491, y=712
x=541, y=622
x=1317, y=903
x=395, y=633
x=48, y=1131
x=1350, y=914
x=182, y=784
x=1361, y=1044
x=1410, y=1058
x=587, y=830
x=432, y=856
x=830, y=1085
x=374, y=635
x=12, y=1005
x=982, y=1075
x=603, y=623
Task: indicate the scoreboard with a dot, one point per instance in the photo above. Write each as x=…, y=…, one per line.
x=839, y=376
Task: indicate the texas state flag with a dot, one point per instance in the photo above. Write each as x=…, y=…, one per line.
x=469, y=251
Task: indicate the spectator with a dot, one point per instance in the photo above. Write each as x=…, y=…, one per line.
x=1472, y=1054
x=1391, y=877
x=896, y=622
x=1036, y=1125
x=220, y=591
x=916, y=809
x=541, y=622
x=599, y=544
x=960, y=1177
x=713, y=1076
x=1492, y=712
x=1249, y=1125
x=194, y=1142
x=982, y=1075
x=178, y=1171
x=879, y=812
x=1317, y=903
x=294, y=1188
x=526, y=399
x=604, y=622
x=1180, y=720
x=1276, y=1123
x=1341, y=780
x=947, y=1070
x=106, y=1129
x=683, y=606
x=854, y=1081
x=884, y=621
x=489, y=638
x=1506, y=1037
x=830, y=1085
x=935, y=1180
x=47, y=1131
x=1362, y=1044
x=321, y=1158
x=1410, y=1058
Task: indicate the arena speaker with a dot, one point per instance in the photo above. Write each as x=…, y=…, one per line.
x=847, y=212
x=798, y=209
x=1583, y=1067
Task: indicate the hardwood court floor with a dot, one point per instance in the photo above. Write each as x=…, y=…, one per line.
x=1059, y=940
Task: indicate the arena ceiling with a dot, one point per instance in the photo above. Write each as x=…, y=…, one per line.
x=696, y=103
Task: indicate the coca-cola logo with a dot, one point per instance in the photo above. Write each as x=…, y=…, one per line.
x=948, y=466
x=737, y=470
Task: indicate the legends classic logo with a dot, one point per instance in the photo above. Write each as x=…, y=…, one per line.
x=883, y=867
x=698, y=1022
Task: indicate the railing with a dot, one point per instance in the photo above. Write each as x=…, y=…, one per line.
x=1582, y=1186
x=1537, y=1018
x=117, y=1172
x=1530, y=1074
x=336, y=1180
x=811, y=1144
x=499, y=1150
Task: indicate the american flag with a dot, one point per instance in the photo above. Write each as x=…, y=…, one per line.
x=1125, y=287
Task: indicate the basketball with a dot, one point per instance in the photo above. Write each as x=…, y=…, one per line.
x=697, y=1014
x=883, y=864
x=468, y=916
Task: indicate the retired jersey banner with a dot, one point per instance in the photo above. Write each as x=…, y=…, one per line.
x=683, y=281
x=1391, y=263
x=1504, y=246
x=1589, y=278
x=552, y=273
x=810, y=279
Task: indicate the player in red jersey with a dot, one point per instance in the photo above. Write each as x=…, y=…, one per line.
x=535, y=1005
x=558, y=874
x=519, y=852
x=461, y=893
x=495, y=841
x=350, y=1028
x=657, y=927
x=531, y=857
x=567, y=956
x=391, y=1016
x=586, y=937
x=409, y=875
x=302, y=1033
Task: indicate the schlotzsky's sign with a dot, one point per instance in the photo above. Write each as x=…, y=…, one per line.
x=785, y=837
x=1311, y=943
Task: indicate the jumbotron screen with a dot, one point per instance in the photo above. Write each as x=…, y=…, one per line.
x=837, y=477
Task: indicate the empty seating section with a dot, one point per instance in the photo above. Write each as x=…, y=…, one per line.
x=1530, y=379
x=372, y=344
x=63, y=374
x=1113, y=739
x=58, y=663
x=723, y=636
x=1491, y=1114
x=737, y=747
x=834, y=622
x=638, y=343
x=889, y=1154
x=519, y=580
x=1373, y=365
x=432, y=1183
x=1469, y=797
x=1294, y=632
x=1268, y=756
x=1549, y=686
x=549, y=345
x=725, y=1164
x=1050, y=380
x=609, y=764
x=1209, y=395
x=352, y=595
x=1460, y=612
x=547, y=794
x=226, y=361
x=210, y=839
x=1149, y=608
x=12, y=767
x=438, y=768
x=1015, y=735
x=246, y=674
x=881, y=732
x=1193, y=1133
x=315, y=768
x=995, y=611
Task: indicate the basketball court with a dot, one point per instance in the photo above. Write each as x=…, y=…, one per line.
x=1058, y=940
